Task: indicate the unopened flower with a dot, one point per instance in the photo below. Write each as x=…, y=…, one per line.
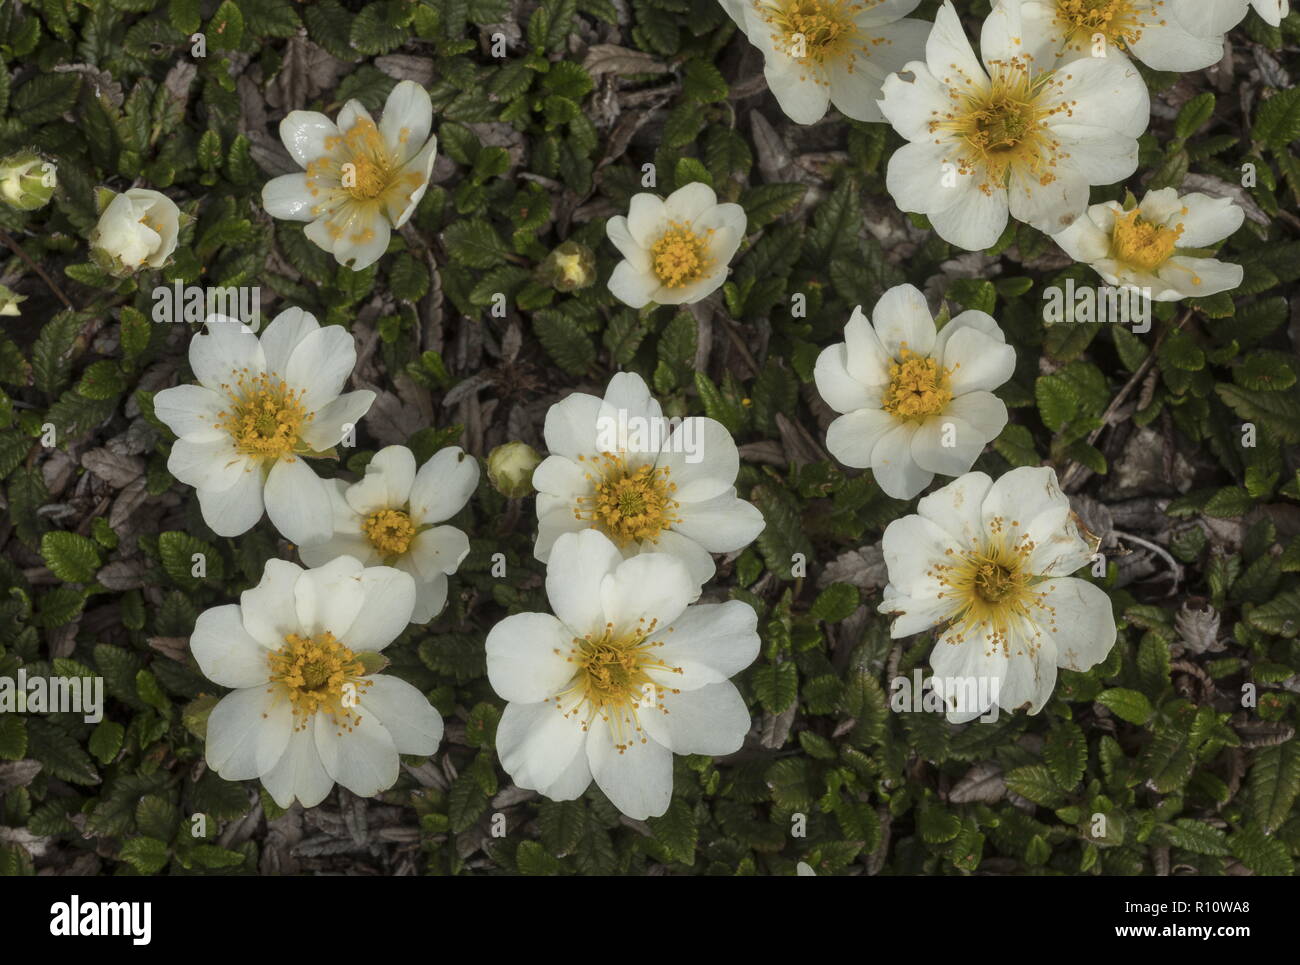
x=27, y=180
x=10, y=300
x=990, y=562
x=510, y=469
x=1158, y=246
x=260, y=407
x=623, y=676
x=675, y=251
x=137, y=229
x=391, y=516
x=569, y=267
x=1163, y=34
x=916, y=402
x=1007, y=137
x=822, y=52
x=308, y=708
x=362, y=179
x=648, y=483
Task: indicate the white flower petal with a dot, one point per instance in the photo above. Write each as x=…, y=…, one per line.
x=298, y=502
x=247, y=732
x=443, y=485
x=283, y=335
x=407, y=119
x=893, y=466
x=299, y=773
x=304, y=134
x=411, y=721
x=363, y=758
x=638, y=779
x=1083, y=622
x=903, y=321
x=288, y=197
x=722, y=524
x=712, y=720
x=190, y=411
x=233, y=511
x=651, y=589
x=578, y=566
x=269, y=610
x=709, y=642
x=225, y=652
x=852, y=437
x=527, y=657
x=388, y=597
x=536, y=744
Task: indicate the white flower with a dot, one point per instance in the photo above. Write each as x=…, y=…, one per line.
x=308, y=708
x=260, y=406
x=1158, y=245
x=1163, y=34
x=821, y=52
x=1010, y=139
x=619, y=466
x=915, y=402
x=625, y=675
x=137, y=229
x=991, y=562
x=675, y=251
x=391, y=517
x=361, y=179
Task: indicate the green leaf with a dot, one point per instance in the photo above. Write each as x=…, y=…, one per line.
x=767, y=202
x=1277, y=121
x=676, y=831
x=837, y=602
x=146, y=855
x=70, y=557
x=1036, y=783
x=1129, y=705
x=1194, y=115
x=776, y=685
x=1274, y=782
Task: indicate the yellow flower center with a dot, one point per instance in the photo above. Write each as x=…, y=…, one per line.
x=369, y=168
x=613, y=681
x=1116, y=20
x=815, y=30
x=321, y=676
x=918, y=387
x=265, y=417
x=1141, y=244
x=629, y=505
x=994, y=592
x=1003, y=126
x=390, y=531
x=681, y=256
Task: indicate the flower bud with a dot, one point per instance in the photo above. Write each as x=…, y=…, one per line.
x=135, y=230
x=27, y=180
x=9, y=301
x=569, y=267
x=510, y=468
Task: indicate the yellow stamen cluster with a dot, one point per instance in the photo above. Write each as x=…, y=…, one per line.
x=918, y=387
x=320, y=676
x=681, y=256
x=1142, y=244
x=628, y=505
x=819, y=31
x=994, y=593
x=613, y=681
x=1117, y=21
x=359, y=168
x=390, y=531
x=1002, y=127
x=265, y=417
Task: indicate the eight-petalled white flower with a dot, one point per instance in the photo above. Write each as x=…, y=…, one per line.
x=392, y=515
x=1158, y=246
x=261, y=405
x=822, y=52
x=675, y=250
x=1007, y=137
x=990, y=562
x=362, y=179
x=914, y=402
x=309, y=707
x=623, y=676
x=648, y=483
